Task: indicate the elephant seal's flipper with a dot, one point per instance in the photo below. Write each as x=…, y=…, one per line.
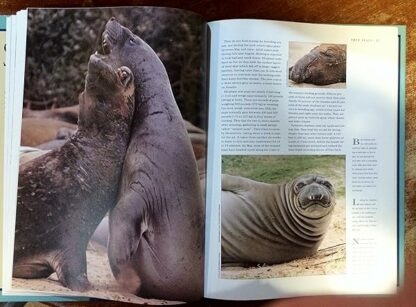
x=124, y=238
x=71, y=270
x=126, y=230
x=235, y=184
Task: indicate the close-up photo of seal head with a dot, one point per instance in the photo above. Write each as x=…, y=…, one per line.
x=64, y=194
x=155, y=245
x=314, y=196
x=325, y=64
x=264, y=223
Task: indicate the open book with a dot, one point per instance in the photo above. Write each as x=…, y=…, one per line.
x=152, y=156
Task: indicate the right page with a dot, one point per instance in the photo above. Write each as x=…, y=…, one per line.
x=303, y=160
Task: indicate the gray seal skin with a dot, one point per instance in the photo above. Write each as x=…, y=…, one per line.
x=64, y=194
x=325, y=64
x=156, y=242
x=273, y=223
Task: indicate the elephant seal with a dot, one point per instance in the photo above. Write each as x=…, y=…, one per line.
x=66, y=114
x=273, y=223
x=29, y=153
x=156, y=229
x=64, y=194
x=36, y=131
x=325, y=64
x=62, y=135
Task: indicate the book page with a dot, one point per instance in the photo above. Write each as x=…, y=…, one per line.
x=72, y=72
x=13, y=138
x=10, y=40
x=2, y=106
x=302, y=160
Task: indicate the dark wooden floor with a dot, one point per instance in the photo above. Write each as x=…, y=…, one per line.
x=321, y=11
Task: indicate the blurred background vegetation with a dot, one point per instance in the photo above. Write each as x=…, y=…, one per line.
x=279, y=169
x=60, y=42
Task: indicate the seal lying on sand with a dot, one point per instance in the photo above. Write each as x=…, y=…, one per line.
x=64, y=194
x=36, y=131
x=66, y=114
x=324, y=64
x=156, y=229
x=273, y=223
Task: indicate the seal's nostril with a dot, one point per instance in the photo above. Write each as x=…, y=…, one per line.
x=112, y=18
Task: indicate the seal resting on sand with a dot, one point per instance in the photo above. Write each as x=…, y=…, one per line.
x=325, y=64
x=66, y=114
x=156, y=243
x=65, y=193
x=273, y=223
x=36, y=131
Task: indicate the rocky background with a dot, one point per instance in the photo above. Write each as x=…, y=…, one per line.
x=60, y=43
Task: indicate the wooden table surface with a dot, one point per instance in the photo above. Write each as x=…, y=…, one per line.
x=319, y=11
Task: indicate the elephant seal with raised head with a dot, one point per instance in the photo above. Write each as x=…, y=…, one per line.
x=156, y=242
x=64, y=194
x=273, y=223
x=325, y=64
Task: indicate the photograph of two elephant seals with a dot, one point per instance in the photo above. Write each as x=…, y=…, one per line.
x=131, y=156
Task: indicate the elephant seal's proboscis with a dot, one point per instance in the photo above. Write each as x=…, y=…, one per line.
x=65, y=193
x=265, y=223
x=156, y=229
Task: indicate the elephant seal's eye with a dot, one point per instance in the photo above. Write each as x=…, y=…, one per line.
x=327, y=184
x=132, y=41
x=330, y=52
x=299, y=186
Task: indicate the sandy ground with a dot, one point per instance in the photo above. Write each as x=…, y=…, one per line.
x=105, y=286
x=298, y=50
x=330, y=259
x=100, y=276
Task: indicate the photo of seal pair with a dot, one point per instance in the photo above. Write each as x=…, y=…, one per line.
x=119, y=159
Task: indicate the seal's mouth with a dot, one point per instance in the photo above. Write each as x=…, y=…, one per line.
x=100, y=65
x=112, y=33
x=97, y=63
x=314, y=204
x=316, y=199
x=105, y=45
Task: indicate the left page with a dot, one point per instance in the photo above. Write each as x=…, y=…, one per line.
x=11, y=140
x=2, y=122
x=112, y=141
